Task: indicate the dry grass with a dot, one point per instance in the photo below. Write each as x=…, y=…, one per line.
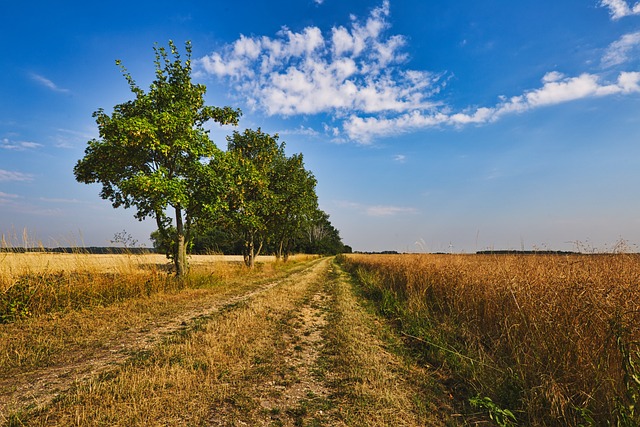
x=72, y=305
x=71, y=317
x=32, y=284
x=15, y=264
x=206, y=374
x=378, y=384
x=540, y=334
x=302, y=351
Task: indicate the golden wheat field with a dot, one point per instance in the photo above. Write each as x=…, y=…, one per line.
x=554, y=338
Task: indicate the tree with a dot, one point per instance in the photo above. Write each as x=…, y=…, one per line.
x=295, y=202
x=322, y=237
x=152, y=150
x=249, y=200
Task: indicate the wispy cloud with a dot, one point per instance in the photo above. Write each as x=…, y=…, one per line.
x=384, y=210
x=8, y=195
x=400, y=158
x=9, y=201
x=7, y=144
x=43, y=81
x=620, y=8
x=619, y=51
x=68, y=138
x=22, y=205
x=6, y=175
x=60, y=200
x=378, y=210
x=307, y=131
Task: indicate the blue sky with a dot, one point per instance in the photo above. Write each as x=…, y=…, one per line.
x=430, y=126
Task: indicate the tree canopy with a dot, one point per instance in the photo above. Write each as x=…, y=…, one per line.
x=152, y=153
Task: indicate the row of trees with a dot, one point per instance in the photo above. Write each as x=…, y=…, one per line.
x=319, y=236
x=155, y=155
x=268, y=203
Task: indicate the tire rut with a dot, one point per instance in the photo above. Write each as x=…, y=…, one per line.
x=300, y=393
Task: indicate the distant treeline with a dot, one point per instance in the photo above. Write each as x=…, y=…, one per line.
x=379, y=253
x=82, y=250
x=487, y=252
x=517, y=252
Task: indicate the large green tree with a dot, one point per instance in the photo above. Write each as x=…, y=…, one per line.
x=152, y=151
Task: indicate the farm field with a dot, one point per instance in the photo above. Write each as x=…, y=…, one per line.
x=553, y=339
x=363, y=340
x=284, y=344
x=14, y=264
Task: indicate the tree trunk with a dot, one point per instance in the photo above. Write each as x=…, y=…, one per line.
x=252, y=255
x=284, y=248
x=181, y=249
x=249, y=254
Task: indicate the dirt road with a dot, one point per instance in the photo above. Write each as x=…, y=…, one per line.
x=302, y=350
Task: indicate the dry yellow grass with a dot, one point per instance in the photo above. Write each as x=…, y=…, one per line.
x=15, y=264
x=41, y=352
x=299, y=349
x=206, y=373
x=540, y=334
x=32, y=284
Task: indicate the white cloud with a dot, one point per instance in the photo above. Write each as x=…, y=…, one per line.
x=60, y=200
x=357, y=74
x=378, y=210
x=571, y=89
x=8, y=196
x=47, y=83
x=552, y=76
x=7, y=144
x=620, y=8
x=619, y=51
x=307, y=131
x=351, y=69
x=9, y=201
x=556, y=89
x=400, y=158
x=69, y=138
x=385, y=210
x=27, y=144
x=6, y=175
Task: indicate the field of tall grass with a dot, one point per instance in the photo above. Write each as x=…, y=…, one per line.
x=37, y=283
x=549, y=339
